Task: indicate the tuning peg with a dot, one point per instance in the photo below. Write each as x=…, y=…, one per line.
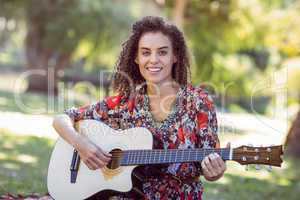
x=257, y=167
x=269, y=168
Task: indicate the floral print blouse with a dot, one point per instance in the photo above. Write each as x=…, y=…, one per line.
x=191, y=124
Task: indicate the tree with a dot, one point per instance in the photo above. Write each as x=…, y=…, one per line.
x=56, y=28
x=292, y=139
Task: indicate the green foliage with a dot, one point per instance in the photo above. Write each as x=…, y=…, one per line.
x=293, y=83
x=234, y=108
x=65, y=27
x=235, y=42
x=71, y=24
x=227, y=38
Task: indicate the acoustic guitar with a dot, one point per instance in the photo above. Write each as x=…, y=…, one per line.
x=68, y=178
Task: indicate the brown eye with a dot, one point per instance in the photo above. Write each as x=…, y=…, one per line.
x=162, y=53
x=145, y=53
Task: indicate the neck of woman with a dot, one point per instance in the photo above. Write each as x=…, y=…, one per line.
x=162, y=90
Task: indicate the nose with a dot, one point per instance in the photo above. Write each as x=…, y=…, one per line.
x=154, y=58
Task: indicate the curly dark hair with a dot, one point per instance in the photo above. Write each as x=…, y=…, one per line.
x=126, y=73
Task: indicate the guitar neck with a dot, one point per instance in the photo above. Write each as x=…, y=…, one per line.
x=160, y=156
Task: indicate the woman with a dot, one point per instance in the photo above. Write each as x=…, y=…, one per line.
x=152, y=81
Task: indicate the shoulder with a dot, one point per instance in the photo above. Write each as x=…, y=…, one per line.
x=200, y=96
x=113, y=101
x=119, y=101
x=199, y=93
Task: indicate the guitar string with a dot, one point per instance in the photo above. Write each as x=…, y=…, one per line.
x=193, y=156
x=170, y=150
x=138, y=152
x=153, y=155
x=136, y=158
x=126, y=161
x=151, y=152
x=154, y=160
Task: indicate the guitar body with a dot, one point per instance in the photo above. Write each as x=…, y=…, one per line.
x=89, y=181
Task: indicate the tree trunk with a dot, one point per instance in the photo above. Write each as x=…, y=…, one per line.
x=178, y=13
x=43, y=63
x=293, y=137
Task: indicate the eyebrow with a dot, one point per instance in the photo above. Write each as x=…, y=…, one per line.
x=164, y=47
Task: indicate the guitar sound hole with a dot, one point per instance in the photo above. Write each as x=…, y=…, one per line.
x=116, y=159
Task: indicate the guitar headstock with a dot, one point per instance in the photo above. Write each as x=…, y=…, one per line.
x=258, y=155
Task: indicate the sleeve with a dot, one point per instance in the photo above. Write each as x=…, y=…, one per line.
x=98, y=111
x=101, y=110
x=206, y=117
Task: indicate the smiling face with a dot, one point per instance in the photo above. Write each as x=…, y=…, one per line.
x=155, y=58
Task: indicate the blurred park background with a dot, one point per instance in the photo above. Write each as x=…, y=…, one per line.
x=55, y=54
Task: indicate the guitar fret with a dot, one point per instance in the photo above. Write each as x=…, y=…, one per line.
x=138, y=160
x=150, y=157
x=128, y=161
x=173, y=155
x=145, y=156
x=125, y=159
x=136, y=157
x=153, y=157
x=132, y=156
x=140, y=157
x=159, y=156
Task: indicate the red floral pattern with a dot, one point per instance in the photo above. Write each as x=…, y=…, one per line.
x=192, y=124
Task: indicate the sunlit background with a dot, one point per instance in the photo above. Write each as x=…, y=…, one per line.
x=55, y=54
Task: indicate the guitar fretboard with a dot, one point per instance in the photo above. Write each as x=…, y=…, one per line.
x=141, y=157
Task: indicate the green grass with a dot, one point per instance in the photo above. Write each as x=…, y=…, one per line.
x=23, y=163
x=35, y=103
x=280, y=183
x=27, y=103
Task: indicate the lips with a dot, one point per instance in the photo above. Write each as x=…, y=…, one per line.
x=154, y=69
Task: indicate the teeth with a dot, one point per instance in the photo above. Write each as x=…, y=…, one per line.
x=154, y=69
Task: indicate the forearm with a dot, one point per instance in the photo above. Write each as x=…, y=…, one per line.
x=64, y=126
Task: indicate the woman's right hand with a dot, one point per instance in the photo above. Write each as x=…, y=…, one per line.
x=92, y=155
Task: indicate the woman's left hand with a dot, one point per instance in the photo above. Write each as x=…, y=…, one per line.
x=213, y=166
